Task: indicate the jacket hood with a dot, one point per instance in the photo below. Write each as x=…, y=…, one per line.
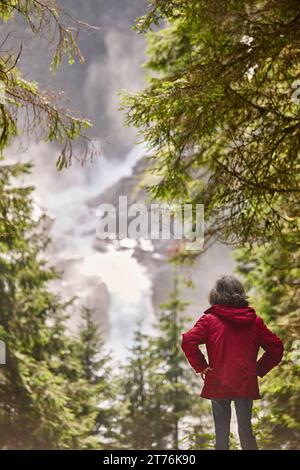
x=241, y=315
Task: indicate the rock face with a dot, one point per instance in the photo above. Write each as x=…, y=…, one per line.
x=153, y=254
x=127, y=186
x=89, y=291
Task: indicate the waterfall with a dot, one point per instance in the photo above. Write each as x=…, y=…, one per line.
x=64, y=197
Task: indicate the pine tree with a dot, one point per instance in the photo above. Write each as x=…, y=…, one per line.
x=272, y=274
x=48, y=388
x=161, y=405
x=45, y=113
x=44, y=383
x=98, y=373
x=179, y=386
x=140, y=425
x=220, y=111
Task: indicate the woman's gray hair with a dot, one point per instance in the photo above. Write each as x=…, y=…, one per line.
x=228, y=290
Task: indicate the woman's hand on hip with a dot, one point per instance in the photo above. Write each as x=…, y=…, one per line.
x=205, y=372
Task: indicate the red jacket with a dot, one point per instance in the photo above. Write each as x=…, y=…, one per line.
x=233, y=336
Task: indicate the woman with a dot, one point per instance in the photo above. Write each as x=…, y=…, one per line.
x=233, y=334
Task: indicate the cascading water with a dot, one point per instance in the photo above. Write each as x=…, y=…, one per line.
x=86, y=270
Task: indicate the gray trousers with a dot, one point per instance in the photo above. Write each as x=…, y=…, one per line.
x=222, y=416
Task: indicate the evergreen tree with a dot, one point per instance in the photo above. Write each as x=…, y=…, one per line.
x=272, y=274
x=48, y=388
x=179, y=387
x=98, y=373
x=140, y=425
x=161, y=405
x=221, y=112
x=45, y=113
x=43, y=374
